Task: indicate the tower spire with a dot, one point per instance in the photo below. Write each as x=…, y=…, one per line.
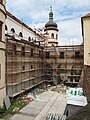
x=50, y=14
x=50, y=8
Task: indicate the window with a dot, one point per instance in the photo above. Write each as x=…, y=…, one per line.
x=61, y=55
x=6, y=28
x=52, y=35
x=14, y=48
x=31, y=66
x=47, y=55
x=20, y=34
x=56, y=36
x=12, y=30
x=29, y=38
x=40, y=53
x=0, y=71
x=23, y=51
x=0, y=31
x=23, y=67
x=31, y=52
x=77, y=54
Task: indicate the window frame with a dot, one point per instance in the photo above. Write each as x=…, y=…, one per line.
x=62, y=56
x=77, y=54
x=47, y=55
x=52, y=35
x=31, y=52
x=23, y=50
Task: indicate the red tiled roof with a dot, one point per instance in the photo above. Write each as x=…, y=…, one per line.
x=19, y=21
x=87, y=15
x=42, y=35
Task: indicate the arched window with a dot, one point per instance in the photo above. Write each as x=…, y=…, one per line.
x=29, y=38
x=52, y=35
x=56, y=36
x=20, y=34
x=12, y=30
x=6, y=27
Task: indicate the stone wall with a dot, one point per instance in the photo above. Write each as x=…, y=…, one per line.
x=86, y=82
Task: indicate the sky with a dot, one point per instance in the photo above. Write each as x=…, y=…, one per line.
x=67, y=15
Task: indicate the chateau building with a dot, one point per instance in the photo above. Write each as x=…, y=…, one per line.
x=29, y=59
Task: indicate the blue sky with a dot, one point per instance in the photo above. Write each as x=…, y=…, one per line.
x=67, y=14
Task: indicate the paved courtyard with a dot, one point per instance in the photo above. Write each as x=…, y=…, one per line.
x=49, y=102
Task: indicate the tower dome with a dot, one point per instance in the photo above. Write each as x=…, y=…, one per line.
x=51, y=25
x=51, y=31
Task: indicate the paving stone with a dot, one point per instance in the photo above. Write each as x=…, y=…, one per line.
x=50, y=102
x=22, y=117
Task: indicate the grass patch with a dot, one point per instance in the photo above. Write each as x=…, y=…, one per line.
x=16, y=105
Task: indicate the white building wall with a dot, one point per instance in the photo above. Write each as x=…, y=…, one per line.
x=11, y=23
x=86, y=32
x=50, y=39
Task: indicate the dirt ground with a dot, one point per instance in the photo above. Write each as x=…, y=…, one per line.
x=59, y=89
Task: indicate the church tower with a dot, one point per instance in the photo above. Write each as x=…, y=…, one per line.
x=51, y=31
x=2, y=51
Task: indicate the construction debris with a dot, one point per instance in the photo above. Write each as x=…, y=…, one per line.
x=7, y=102
x=60, y=89
x=51, y=116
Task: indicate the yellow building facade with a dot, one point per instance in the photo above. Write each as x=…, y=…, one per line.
x=2, y=51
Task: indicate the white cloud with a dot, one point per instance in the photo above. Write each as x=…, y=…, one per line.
x=67, y=14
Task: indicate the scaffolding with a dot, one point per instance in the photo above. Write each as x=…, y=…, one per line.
x=67, y=67
x=24, y=66
x=29, y=64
